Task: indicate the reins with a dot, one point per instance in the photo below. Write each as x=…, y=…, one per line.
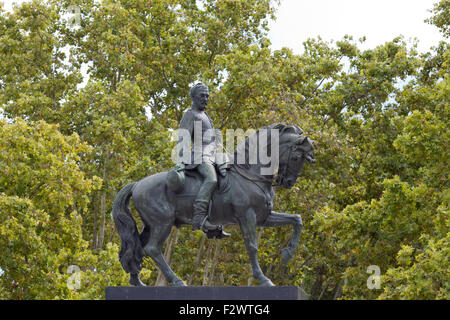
x=241, y=170
x=238, y=169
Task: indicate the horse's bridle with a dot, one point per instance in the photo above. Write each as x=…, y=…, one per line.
x=238, y=169
x=279, y=178
x=285, y=171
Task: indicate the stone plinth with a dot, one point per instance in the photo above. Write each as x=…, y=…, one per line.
x=205, y=293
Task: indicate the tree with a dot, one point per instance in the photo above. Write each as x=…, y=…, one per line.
x=441, y=17
x=33, y=74
x=378, y=194
x=43, y=193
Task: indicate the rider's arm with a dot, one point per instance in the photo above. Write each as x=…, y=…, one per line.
x=187, y=123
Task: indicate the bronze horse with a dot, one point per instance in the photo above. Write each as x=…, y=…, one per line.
x=244, y=197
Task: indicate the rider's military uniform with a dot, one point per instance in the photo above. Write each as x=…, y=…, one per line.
x=203, y=154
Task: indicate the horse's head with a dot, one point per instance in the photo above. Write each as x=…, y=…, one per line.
x=294, y=150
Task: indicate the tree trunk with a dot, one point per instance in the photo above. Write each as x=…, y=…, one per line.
x=101, y=235
x=207, y=263
x=198, y=259
x=111, y=226
x=317, y=288
x=220, y=279
x=168, y=256
x=258, y=237
x=95, y=226
x=338, y=292
x=323, y=291
x=215, y=260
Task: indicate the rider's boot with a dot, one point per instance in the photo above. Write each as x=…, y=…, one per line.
x=200, y=212
x=200, y=221
x=213, y=231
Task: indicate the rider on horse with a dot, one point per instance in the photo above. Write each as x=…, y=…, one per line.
x=203, y=158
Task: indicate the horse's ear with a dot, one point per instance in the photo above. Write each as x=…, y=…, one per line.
x=288, y=129
x=299, y=130
x=300, y=140
x=278, y=126
x=291, y=129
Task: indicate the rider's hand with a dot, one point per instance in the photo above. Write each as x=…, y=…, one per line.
x=223, y=169
x=179, y=166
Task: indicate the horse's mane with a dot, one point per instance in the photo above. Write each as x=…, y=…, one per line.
x=244, y=145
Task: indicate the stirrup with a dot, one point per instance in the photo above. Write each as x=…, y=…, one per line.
x=202, y=225
x=218, y=233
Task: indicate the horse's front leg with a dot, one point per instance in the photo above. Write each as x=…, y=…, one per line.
x=247, y=223
x=276, y=219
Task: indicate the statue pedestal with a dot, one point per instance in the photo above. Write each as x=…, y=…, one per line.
x=205, y=293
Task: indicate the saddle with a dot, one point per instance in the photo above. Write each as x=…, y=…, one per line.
x=176, y=177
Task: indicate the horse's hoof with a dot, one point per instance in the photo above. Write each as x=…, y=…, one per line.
x=286, y=255
x=266, y=283
x=179, y=283
x=135, y=281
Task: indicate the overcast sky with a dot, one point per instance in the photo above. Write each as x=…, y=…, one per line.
x=378, y=20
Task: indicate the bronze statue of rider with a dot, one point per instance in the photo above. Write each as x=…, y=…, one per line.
x=203, y=156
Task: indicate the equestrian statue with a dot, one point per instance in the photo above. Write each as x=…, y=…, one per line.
x=192, y=193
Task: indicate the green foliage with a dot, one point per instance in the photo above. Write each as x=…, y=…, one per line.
x=378, y=194
x=33, y=74
x=422, y=273
x=441, y=17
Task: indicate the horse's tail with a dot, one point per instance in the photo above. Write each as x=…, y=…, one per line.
x=131, y=252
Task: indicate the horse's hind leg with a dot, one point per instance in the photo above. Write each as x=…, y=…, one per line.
x=247, y=223
x=276, y=219
x=158, y=235
x=134, y=276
